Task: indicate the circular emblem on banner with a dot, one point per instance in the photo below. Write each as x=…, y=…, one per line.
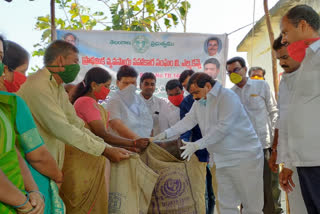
x=140, y=44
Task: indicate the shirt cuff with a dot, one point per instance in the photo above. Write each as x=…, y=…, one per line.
x=170, y=133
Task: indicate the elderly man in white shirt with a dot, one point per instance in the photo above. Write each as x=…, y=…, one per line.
x=261, y=107
x=162, y=113
x=129, y=114
x=280, y=142
x=300, y=30
x=230, y=139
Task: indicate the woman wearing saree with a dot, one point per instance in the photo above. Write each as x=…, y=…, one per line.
x=27, y=139
x=86, y=191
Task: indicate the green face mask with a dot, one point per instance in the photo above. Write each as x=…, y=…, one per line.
x=235, y=78
x=1, y=68
x=69, y=74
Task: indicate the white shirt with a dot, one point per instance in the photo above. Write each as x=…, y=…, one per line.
x=285, y=88
x=136, y=116
x=164, y=114
x=226, y=129
x=261, y=107
x=303, y=111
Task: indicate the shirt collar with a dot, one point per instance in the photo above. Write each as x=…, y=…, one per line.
x=315, y=46
x=215, y=89
x=47, y=73
x=249, y=82
x=150, y=100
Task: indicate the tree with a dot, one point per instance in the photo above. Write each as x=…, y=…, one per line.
x=127, y=15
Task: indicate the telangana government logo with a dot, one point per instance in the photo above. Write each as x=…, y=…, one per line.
x=140, y=44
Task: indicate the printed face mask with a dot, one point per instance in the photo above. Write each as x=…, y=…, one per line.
x=102, y=94
x=18, y=80
x=256, y=78
x=297, y=50
x=235, y=78
x=203, y=102
x=69, y=74
x=176, y=100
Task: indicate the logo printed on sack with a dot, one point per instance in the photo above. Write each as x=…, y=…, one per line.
x=140, y=44
x=115, y=202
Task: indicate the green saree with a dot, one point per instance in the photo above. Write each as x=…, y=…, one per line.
x=28, y=139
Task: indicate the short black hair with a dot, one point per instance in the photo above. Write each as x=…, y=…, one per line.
x=15, y=56
x=185, y=74
x=126, y=71
x=212, y=61
x=304, y=12
x=58, y=48
x=200, y=79
x=147, y=75
x=237, y=59
x=277, y=44
x=3, y=44
x=172, y=84
x=255, y=69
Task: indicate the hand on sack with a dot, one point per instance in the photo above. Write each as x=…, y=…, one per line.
x=189, y=149
x=37, y=201
x=115, y=154
x=142, y=143
x=161, y=136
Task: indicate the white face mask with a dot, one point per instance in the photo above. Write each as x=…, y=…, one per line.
x=186, y=93
x=128, y=94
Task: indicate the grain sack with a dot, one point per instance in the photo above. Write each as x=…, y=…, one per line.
x=131, y=186
x=180, y=187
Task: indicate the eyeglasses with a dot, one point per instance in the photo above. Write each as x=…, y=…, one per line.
x=236, y=70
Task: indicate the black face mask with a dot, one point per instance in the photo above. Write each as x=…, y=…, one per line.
x=197, y=99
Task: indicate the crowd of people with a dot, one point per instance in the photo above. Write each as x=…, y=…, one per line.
x=57, y=142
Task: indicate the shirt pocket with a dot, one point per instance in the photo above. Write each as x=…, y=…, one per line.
x=255, y=102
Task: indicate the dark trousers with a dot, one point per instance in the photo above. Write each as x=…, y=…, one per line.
x=309, y=178
x=210, y=199
x=272, y=203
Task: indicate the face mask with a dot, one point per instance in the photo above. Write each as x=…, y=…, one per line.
x=297, y=50
x=102, y=94
x=256, y=78
x=18, y=80
x=69, y=74
x=235, y=78
x=1, y=68
x=176, y=100
x=203, y=102
x=128, y=94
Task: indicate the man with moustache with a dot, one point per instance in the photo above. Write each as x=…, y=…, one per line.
x=300, y=30
x=278, y=154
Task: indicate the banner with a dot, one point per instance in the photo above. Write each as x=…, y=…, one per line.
x=164, y=54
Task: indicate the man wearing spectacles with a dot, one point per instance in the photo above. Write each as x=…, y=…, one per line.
x=261, y=107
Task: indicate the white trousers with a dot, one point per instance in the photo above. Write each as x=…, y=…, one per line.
x=242, y=184
x=296, y=202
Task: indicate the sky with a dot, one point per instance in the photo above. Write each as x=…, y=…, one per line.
x=18, y=20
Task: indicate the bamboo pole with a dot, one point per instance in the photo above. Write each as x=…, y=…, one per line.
x=53, y=23
x=273, y=53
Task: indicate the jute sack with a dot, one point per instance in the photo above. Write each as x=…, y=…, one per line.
x=180, y=187
x=131, y=186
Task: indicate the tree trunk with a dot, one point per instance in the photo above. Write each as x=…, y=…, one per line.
x=53, y=23
x=273, y=53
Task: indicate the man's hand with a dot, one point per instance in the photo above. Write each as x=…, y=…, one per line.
x=272, y=161
x=285, y=180
x=189, y=149
x=161, y=136
x=37, y=202
x=115, y=154
x=142, y=143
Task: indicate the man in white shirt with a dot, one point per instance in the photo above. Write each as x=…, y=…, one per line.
x=300, y=29
x=280, y=141
x=230, y=139
x=129, y=114
x=261, y=107
x=158, y=107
